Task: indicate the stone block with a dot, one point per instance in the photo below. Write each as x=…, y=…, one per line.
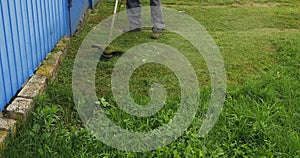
x=50, y=66
x=7, y=124
x=3, y=135
x=36, y=85
x=20, y=108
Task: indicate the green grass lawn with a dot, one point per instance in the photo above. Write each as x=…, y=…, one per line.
x=260, y=44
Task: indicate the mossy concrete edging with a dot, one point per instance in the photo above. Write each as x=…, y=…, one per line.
x=19, y=108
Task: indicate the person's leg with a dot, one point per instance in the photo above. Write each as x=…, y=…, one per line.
x=157, y=16
x=134, y=14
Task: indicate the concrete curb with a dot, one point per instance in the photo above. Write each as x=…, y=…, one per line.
x=19, y=109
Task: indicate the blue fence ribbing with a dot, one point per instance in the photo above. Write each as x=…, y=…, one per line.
x=28, y=32
x=29, y=29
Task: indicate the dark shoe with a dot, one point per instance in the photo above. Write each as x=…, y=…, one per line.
x=135, y=30
x=156, y=35
x=104, y=54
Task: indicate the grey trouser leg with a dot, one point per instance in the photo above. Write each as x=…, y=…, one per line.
x=157, y=16
x=134, y=13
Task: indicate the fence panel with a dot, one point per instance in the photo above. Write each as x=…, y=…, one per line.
x=77, y=10
x=93, y=2
x=29, y=29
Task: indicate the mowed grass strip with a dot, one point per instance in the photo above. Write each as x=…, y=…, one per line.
x=261, y=50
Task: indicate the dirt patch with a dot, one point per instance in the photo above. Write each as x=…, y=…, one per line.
x=238, y=5
x=257, y=4
x=276, y=30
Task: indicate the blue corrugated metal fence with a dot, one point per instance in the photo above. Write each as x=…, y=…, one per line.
x=29, y=29
x=76, y=11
